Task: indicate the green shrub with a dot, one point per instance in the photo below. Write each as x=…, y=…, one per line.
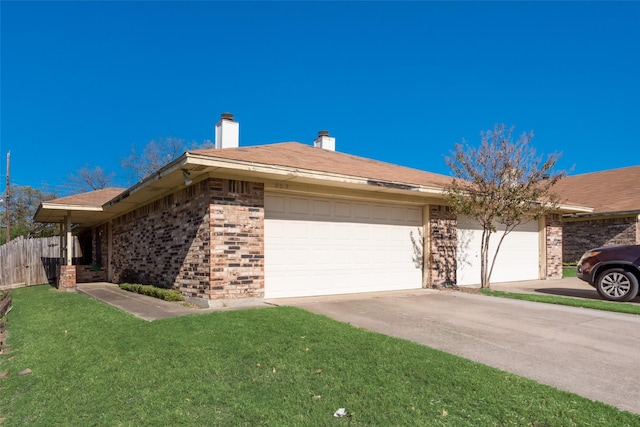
x=152, y=291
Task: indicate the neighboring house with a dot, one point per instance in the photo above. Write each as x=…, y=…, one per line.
x=614, y=196
x=235, y=224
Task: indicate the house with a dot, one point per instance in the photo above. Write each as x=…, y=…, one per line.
x=234, y=224
x=614, y=196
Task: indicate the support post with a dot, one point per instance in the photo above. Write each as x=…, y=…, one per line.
x=69, y=238
x=62, y=235
x=67, y=271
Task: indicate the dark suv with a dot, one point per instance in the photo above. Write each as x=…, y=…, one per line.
x=614, y=271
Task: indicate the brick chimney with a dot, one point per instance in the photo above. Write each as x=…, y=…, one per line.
x=227, y=132
x=325, y=141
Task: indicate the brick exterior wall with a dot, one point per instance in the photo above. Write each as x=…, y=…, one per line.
x=237, y=240
x=99, y=247
x=206, y=241
x=580, y=236
x=553, y=236
x=90, y=273
x=67, y=277
x=166, y=243
x=443, y=226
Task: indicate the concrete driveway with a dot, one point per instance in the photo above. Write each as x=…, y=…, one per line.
x=593, y=353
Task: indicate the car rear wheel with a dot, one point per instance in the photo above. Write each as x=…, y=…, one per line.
x=617, y=284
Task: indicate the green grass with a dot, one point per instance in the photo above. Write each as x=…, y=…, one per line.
x=95, y=365
x=568, y=271
x=617, y=307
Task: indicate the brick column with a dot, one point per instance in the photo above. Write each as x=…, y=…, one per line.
x=237, y=242
x=67, y=278
x=443, y=239
x=553, y=246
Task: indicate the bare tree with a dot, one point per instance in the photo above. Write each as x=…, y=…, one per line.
x=206, y=144
x=24, y=203
x=501, y=182
x=155, y=154
x=89, y=179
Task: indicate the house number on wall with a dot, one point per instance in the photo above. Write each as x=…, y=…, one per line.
x=281, y=186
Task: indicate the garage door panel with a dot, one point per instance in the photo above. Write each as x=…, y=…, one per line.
x=361, y=211
x=299, y=206
x=321, y=208
x=275, y=204
x=342, y=210
x=414, y=215
x=518, y=257
x=354, y=249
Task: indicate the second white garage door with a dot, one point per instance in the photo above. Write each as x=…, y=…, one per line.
x=518, y=258
x=323, y=246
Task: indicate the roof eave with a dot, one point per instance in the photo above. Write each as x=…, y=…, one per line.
x=47, y=210
x=573, y=209
x=591, y=214
x=148, y=181
x=287, y=173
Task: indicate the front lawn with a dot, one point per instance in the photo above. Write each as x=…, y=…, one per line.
x=95, y=365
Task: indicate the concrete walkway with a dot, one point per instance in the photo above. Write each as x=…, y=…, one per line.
x=142, y=306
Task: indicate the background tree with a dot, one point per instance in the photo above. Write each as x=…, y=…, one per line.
x=156, y=154
x=89, y=179
x=501, y=182
x=24, y=203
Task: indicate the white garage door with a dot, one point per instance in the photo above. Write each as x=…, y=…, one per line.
x=518, y=258
x=322, y=246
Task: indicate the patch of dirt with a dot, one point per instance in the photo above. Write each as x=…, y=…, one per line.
x=188, y=304
x=469, y=290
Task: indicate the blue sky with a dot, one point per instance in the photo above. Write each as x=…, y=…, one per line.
x=81, y=82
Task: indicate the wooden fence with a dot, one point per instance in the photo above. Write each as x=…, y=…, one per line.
x=25, y=262
x=5, y=307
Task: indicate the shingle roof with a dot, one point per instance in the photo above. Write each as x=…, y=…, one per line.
x=615, y=190
x=93, y=198
x=302, y=156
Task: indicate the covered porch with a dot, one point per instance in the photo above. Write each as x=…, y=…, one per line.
x=87, y=258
